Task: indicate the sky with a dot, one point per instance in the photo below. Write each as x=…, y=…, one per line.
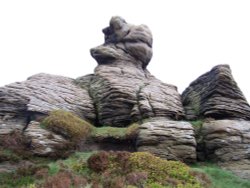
x=189, y=37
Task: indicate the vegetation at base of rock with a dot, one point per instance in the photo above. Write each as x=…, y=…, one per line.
x=173, y=173
x=105, y=132
x=117, y=170
x=8, y=155
x=221, y=178
x=120, y=133
x=143, y=168
x=67, y=124
x=13, y=147
x=13, y=180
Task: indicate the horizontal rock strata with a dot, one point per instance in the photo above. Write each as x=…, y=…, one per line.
x=43, y=93
x=122, y=88
x=226, y=140
x=168, y=139
x=44, y=142
x=215, y=94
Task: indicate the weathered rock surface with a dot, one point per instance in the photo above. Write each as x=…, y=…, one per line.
x=7, y=126
x=215, y=94
x=122, y=88
x=226, y=140
x=43, y=93
x=168, y=139
x=120, y=91
x=44, y=142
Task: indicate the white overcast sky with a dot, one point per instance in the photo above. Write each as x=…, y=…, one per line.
x=190, y=37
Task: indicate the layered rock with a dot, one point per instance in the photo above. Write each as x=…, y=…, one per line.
x=215, y=94
x=41, y=94
x=168, y=139
x=122, y=88
x=226, y=140
x=44, y=142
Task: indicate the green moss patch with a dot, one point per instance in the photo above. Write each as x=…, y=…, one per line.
x=67, y=125
x=120, y=133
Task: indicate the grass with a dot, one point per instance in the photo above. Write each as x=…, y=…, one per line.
x=221, y=178
x=53, y=168
x=8, y=155
x=197, y=123
x=114, y=132
x=11, y=180
x=113, y=169
x=121, y=133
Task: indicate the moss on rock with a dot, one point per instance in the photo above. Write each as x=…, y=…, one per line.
x=67, y=124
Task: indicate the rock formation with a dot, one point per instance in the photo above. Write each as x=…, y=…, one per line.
x=215, y=94
x=44, y=142
x=226, y=140
x=215, y=99
x=168, y=139
x=122, y=88
x=122, y=91
x=22, y=102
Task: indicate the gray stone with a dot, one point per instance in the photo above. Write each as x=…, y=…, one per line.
x=215, y=94
x=43, y=93
x=121, y=87
x=226, y=140
x=44, y=142
x=173, y=140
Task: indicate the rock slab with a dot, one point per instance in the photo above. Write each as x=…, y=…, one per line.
x=44, y=142
x=226, y=140
x=173, y=140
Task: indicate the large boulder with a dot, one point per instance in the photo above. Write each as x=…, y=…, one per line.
x=41, y=94
x=226, y=140
x=215, y=94
x=122, y=88
x=173, y=140
x=23, y=102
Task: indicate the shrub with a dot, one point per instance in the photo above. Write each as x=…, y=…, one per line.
x=13, y=180
x=60, y=180
x=67, y=125
x=65, y=180
x=137, y=178
x=15, y=142
x=140, y=169
x=160, y=170
x=115, y=162
x=8, y=155
x=99, y=162
x=114, y=182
